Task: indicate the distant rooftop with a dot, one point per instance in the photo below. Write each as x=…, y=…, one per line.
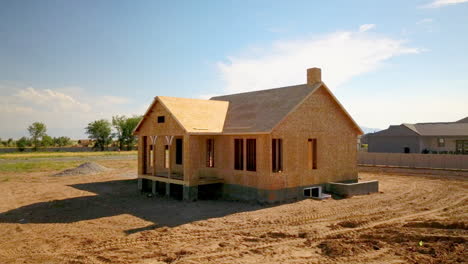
x=458, y=128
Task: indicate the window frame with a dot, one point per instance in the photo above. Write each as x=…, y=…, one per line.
x=238, y=154
x=277, y=155
x=441, y=142
x=179, y=150
x=312, y=154
x=251, y=154
x=210, y=153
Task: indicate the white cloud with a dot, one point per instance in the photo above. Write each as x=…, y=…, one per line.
x=425, y=21
x=49, y=100
x=441, y=3
x=366, y=27
x=65, y=111
x=341, y=55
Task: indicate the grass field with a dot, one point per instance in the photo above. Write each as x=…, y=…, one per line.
x=33, y=155
x=42, y=166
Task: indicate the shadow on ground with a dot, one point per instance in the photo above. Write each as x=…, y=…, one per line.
x=121, y=197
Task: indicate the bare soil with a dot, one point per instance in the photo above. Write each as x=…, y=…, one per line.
x=101, y=218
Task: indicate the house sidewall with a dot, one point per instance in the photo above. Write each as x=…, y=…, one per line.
x=394, y=144
x=431, y=143
x=318, y=117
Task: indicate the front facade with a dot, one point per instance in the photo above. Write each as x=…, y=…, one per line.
x=267, y=145
x=448, y=137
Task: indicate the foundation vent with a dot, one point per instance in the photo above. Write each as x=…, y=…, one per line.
x=313, y=192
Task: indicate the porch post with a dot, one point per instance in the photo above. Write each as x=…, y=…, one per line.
x=153, y=141
x=169, y=143
x=187, y=159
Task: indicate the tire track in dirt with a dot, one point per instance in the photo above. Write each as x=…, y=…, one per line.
x=370, y=212
x=323, y=235
x=260, y=227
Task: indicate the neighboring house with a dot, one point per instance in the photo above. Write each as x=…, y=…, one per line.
x=85, y=142
x=265, y=145
x=448, y=137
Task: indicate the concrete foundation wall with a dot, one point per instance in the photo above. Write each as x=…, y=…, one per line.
x=350, y=189
x=243, y=193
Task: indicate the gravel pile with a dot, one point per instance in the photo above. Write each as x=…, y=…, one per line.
x=87, y=168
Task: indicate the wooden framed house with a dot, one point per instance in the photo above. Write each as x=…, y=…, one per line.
x=267, y=145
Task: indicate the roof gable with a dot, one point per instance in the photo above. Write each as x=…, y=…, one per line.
x=193, y=115
x=197, y=115
x=356, y=126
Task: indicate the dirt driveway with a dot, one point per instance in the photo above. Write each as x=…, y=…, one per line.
x=103, y=219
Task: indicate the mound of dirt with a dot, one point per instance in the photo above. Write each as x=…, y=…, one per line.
x=86, y=168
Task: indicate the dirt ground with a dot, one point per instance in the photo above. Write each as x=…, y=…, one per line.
x=103, y=219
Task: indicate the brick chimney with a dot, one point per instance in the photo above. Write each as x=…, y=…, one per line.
x=314, y=75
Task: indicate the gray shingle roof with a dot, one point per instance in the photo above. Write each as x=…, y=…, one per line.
x=260, y=111
x=439, y=129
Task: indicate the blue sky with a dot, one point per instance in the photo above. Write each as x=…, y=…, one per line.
x=67, y=63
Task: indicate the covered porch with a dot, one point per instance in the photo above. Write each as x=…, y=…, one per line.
x=167, y=162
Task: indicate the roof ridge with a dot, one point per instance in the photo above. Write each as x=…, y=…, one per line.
x=434, y=123
x=185, y=98
x=264, y=90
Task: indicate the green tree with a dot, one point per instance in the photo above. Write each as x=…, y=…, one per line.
x=10, y=142
x=22, y=143
x=56, y=141
x=62, y=141
x=47, y=141
x=100, y=131
x=124, y=127
x=37, y=131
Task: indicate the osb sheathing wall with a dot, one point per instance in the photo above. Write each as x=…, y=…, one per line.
x=150, y=127
x=321, y=118
x=224, y=159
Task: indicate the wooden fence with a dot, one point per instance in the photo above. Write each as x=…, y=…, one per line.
x=426, y=161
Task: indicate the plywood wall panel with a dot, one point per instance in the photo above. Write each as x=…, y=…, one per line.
x=321, y=118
